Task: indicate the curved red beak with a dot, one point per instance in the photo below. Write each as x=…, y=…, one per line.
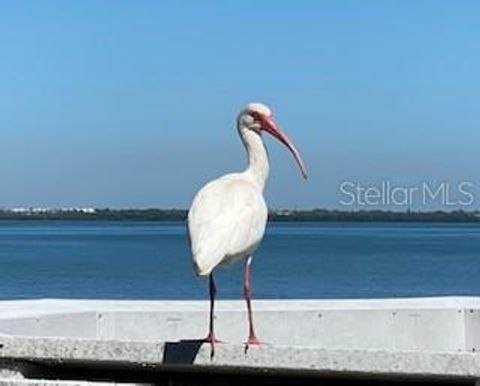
x=269, y=125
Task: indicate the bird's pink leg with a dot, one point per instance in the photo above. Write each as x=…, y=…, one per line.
x=211, y=338
x=247, y=291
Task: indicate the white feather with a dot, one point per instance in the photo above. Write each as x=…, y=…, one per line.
x=226, y=221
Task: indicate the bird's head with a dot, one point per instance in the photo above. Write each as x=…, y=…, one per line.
x=258, y=117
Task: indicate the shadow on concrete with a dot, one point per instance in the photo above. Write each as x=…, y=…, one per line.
x=183, y=352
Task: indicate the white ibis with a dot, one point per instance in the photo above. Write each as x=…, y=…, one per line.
x=227, y=219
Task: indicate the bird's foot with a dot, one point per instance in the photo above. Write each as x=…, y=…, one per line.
x=252, y=341
x=211, y=338
x=213, y=341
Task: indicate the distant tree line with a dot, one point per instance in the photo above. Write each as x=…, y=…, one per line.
x=376, y=216
x=274, y=215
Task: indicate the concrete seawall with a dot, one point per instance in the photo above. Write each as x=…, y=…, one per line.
x=423, y=339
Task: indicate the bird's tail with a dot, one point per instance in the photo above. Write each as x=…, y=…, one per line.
x=204, y=265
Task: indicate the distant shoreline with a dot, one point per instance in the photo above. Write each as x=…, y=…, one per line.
x=315, y=215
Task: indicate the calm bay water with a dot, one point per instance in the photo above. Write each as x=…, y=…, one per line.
x=150, y=260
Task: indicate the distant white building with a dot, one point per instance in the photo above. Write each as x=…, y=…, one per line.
x=22, y=210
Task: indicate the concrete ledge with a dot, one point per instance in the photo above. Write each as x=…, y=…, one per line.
x=232, y=358
x=438, y=324
x=415, y=339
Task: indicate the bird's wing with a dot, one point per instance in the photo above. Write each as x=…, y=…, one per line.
x=227, y=218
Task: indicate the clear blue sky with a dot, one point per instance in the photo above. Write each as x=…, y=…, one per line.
x=132, y=103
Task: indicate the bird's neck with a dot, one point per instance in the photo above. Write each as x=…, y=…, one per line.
x=258, y=166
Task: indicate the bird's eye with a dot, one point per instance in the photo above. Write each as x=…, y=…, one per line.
x=255, y=115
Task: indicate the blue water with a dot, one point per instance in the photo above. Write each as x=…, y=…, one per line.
x=150, y=260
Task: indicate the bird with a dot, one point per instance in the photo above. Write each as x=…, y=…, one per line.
x=227, y=219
